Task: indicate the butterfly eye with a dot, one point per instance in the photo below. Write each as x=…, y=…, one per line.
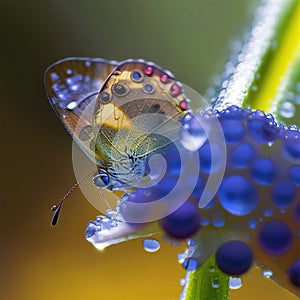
x=120, y=89
x=101, y=179
x=105, y=98
x=137, y=76
x=148, y=88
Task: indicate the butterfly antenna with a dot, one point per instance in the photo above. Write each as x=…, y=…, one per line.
x=56, y=208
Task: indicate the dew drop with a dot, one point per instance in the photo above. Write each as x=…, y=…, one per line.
x=174, y=243
x=181, y=257
x=106, y=224
x=191, y=242
x=267, y=273
x=190, y=264
x=215, y=283
x=252, y=222
x=235, y=283
x=218, y=222
x=151, y=245
x=182, y=282
x=71, y=105
x=91, y=230
x=287, y=110
x=268, y=212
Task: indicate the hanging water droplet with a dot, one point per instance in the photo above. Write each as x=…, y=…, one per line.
x=287, y=110
x=151, y=245
x=191, y=242
x=252, y=222
x=165, y=238
x=218, y=222
x=268, y=212
x=215, y=283
x=204, y=221
x=235, y=283
x=212, y=268
x=175, y=243
x=267, y=273
x=182, y=282
x=190, y=264
x=181, y=257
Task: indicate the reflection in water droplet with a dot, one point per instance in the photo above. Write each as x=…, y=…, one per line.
x=235, y=283
x=212, y=268
x=215, y=283
x=151, y=245
x=267, y=273
x=287, y=110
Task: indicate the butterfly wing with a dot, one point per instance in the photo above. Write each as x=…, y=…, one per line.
x=72, y=85
x=141, y=99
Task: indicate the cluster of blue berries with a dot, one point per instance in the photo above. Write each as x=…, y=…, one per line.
x=259, y=193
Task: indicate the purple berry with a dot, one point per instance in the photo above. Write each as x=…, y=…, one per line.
x=294, y=273
x=234, y=258
x=275, y=237
x=183, y=222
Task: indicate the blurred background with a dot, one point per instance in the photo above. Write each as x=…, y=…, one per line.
x=190, y=38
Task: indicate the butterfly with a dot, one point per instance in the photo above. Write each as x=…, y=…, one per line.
x=119, y=114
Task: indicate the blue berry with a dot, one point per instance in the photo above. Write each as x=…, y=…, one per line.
x=205, y=156
x=263, y=171
x=173, y=160
x=275, y=237
x=294, y=173
x=183, y=222
x=233, y=131
x=292, y=143
x=294, y=273
x=242, y=155
x=232, y=113
x=283, y=194
x=237, y=195
x=234, y=257
x=262, y=128
x=164, y=186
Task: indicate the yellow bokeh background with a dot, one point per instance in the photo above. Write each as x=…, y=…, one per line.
x=38, y=262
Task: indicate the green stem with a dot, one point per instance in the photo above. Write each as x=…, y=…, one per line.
x=207, y=282
x=256, y=69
